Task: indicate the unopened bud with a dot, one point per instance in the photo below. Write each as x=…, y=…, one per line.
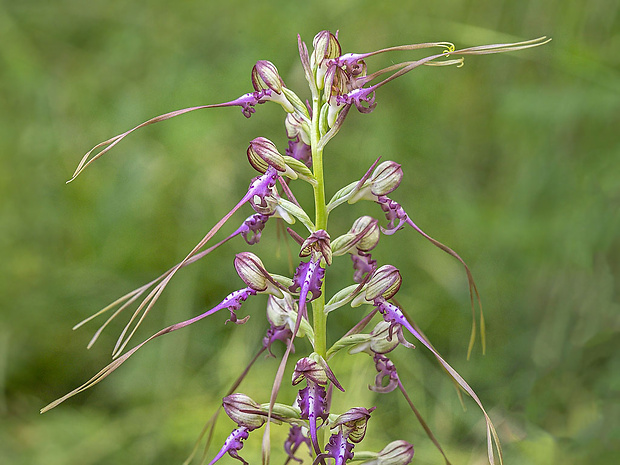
x=251, y=270
x=262, y=153
x=370, y=238
x=385, y=283
x=396, y=453
x=343, y=244
x=326, y=46
x=363, y=236
x=385, y=178
x=243, y=410
x=265, y=76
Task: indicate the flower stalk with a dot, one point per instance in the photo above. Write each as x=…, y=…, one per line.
x=337, y=82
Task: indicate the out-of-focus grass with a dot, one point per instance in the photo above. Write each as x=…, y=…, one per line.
x=514, y=161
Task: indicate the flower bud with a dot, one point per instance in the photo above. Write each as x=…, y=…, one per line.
x=385, y=283
x=370, y=239
x=326, y=46
x=363, y=236
x=265, y=79
x=251, y=270
x=395, y=453
x=262, y=153
x=243, y=410
x=386, y=177
x=353, y=423
x=265, y=76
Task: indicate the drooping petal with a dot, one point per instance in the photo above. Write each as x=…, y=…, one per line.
x=339, y=448
x=312, y=401
x=233, y=444
x=232, y=302
x=277, y=333
x=308, y=278
x=246, y=101
x=295, y=439
x=253, y=227
x=393, y=314
x=385, y=369
x=363, y=266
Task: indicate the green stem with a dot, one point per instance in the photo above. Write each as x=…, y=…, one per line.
x=320, y=210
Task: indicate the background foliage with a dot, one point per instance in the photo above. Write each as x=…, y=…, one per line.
x=513, y=160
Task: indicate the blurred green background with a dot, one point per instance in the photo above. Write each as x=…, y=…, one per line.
x=513, y=160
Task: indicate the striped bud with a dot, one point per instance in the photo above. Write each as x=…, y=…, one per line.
x=265, y=76
x=370, y=238
x=353, y=423
x=385, y=178
x=251, y=270
x=243, y=410
x=326, y=46
x=262, y=153
x=396, y=453
x=385, y=283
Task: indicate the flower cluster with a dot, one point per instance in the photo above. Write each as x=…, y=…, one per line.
x=296, y=305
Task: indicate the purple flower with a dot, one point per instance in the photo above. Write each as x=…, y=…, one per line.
x=338, y=448
x=363, y=265
x=252, y=227
x=394, y=316
x=385, y=369
x=262, y=192
x=233, y=444
x=308, y=278
x=312, y=401
x=351, y=430
x=300, y=151
x=394, y=213
x=319, y=242
x=277, y=333
x=295, y=439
